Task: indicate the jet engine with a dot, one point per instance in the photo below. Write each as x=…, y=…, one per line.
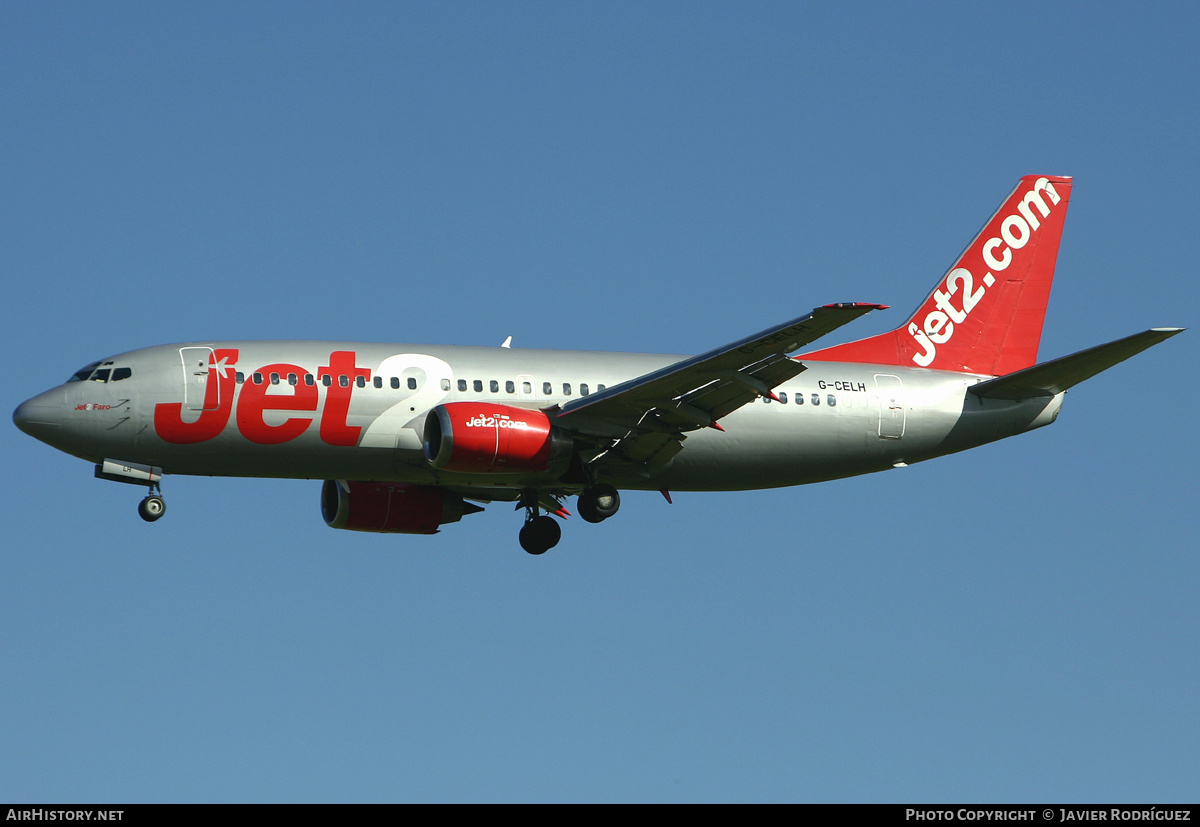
x=390, y=508
x=482, y=437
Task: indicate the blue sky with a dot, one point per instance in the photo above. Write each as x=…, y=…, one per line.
x=1016, y=623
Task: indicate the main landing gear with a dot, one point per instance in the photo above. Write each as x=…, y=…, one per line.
x=153, y=506
x=542, y=532
x=598, y=502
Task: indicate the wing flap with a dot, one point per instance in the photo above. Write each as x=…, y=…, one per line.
x=1058, y=375
x=733, y=389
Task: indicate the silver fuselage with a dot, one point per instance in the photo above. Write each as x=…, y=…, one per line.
x=836, y=419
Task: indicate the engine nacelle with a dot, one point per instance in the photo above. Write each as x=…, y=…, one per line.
x=390, y=508
x=483, y=437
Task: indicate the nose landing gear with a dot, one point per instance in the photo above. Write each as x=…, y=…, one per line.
x=153, y=506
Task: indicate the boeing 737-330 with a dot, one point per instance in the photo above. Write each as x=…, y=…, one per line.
x=408, y=438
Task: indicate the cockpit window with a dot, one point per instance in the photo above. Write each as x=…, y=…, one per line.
x=84, y=373
x=101, y=372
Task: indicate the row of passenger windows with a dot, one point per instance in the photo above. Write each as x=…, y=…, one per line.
x=493, y=386
x=104, y=372
x=327, y=380
x=476, y=385
x=814, y=399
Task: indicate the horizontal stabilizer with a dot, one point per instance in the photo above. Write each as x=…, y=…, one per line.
x=1057, y=375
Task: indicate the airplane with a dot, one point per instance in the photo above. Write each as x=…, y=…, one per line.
x=409, y=438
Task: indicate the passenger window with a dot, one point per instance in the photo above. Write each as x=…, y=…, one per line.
x=477, y=385
x=566, y=388
x=293, y=379
x=412, y=383
x=599, y=388
x=509, y=387
x=274, y=378
x=783, y=398
x=494, y=386
x=445, y=384
x=526, y=388
x=767, y=400
x=344, y=380
x=308, y=379
x=816, y=399
x=258, y=379
x=831, y=399
x=121, y=373
x=583, y=389
x=395, y=383
x=239, y=377
x=327, y=380
x=361, y=381
x=547, y=389
x=799, y=399
x=462, y=384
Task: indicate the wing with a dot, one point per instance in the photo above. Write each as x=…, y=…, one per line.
x=645, y=420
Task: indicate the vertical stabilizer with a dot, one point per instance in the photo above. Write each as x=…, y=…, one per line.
x=985, y=315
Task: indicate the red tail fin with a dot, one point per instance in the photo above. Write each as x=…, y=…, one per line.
x=985, y=315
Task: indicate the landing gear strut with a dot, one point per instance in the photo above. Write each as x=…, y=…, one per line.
x=153, y=506
x=598, y=502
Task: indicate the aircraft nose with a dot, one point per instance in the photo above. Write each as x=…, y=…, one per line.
x=37, y=418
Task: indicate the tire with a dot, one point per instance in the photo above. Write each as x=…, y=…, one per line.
x=152, y=508
x=540, y=534
x=598, y=503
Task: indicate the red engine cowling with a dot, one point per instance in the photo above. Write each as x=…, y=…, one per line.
x=390, y=508
x=482, y=437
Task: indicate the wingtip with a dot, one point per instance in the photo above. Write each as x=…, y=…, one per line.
x=869, y=305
